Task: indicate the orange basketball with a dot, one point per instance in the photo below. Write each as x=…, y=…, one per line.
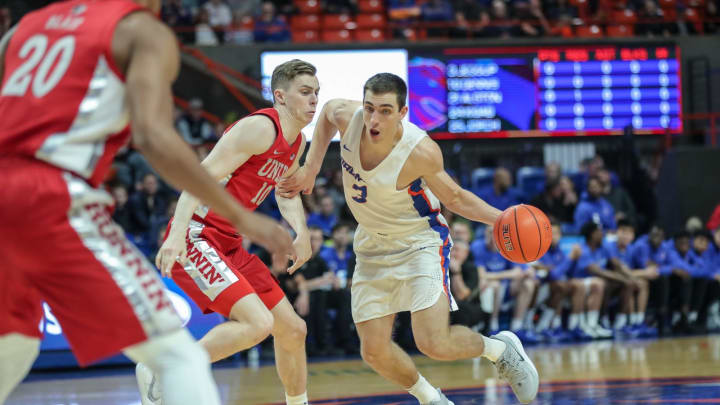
x=522, y=233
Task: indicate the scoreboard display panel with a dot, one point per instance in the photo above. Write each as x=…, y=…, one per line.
x=550, y=91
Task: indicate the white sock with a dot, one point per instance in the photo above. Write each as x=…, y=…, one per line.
x=557, y=322
x=529, y=317
x=574, y=321
x=516, y=324
x=301, y=399
x=17, y=354
x=639, y=318
x=592, y=318
x=675, y=318
x=714, y=308
x=620, y=321
x=545, y=319
x=423, y=391
x=605, y=320
x=692, y=316
x=494, y=324
x=493, y=349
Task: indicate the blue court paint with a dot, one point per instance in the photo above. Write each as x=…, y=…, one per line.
x=685, y=390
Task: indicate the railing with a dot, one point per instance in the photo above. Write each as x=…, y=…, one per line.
x=219, y=70
x=712, y=117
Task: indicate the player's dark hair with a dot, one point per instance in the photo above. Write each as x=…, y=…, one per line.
x=341, y=225
x=587, y=230
x=625, y=223
x=703, y=233
x=383, y=83
x=681, y=234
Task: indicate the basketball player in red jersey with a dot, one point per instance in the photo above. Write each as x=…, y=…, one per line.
x=218, y=274
x=78, y=77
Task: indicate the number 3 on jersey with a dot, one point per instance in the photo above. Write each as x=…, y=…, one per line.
x=44, y=80
x=363, y=193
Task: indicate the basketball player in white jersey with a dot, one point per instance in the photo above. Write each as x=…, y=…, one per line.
x=394, y=182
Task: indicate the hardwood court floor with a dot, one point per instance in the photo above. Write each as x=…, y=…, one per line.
x=674, y=370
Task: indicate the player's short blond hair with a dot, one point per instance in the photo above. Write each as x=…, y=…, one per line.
x=286, y=72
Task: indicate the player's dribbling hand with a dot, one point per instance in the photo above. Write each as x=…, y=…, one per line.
x=302, y=252
x=172, y=250
x=301, y=180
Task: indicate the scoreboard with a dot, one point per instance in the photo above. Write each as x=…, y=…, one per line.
x=545, y=91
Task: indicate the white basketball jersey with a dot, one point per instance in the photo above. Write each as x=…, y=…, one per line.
x=373, y=197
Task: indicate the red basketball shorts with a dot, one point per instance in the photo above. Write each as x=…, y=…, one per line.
x=219, y=272
x=61, y=246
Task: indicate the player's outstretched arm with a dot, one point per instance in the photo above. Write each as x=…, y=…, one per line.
x=426, y=161
x=147, y=51
x=294, y=213
x=335, y=116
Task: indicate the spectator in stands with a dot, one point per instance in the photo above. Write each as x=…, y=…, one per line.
x=703, y=261
x=146, y=204
x=219, y=17
x=711, y=24
x=561, y=13
x=635, y=292
x=270, y=27
x=553, y=172
x=649, y=253
x=241, y=30
x=180, y=18
x=502, y=24
x=652, y=22
x=335, y=190
x=532, y=20
x=437, y=11
x=471, y=19
x=519, y=279
x=465, y=286
x=337, y=257
x=403, y=12
x=570, y=198
x=593, y=207
x=500, y=194
x=204, y=34
x=325, y=218
x=617, y=197
x=314, y=280
x=552, y=268
x=460, y=230
x=121, y=212
x=194, y=128
x=553, y=202
x=684, y=272
x=589, y=274
x=5, y=20
x=122, y=172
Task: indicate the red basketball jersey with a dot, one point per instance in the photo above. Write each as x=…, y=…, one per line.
x=63, y=99
x=253, y=181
